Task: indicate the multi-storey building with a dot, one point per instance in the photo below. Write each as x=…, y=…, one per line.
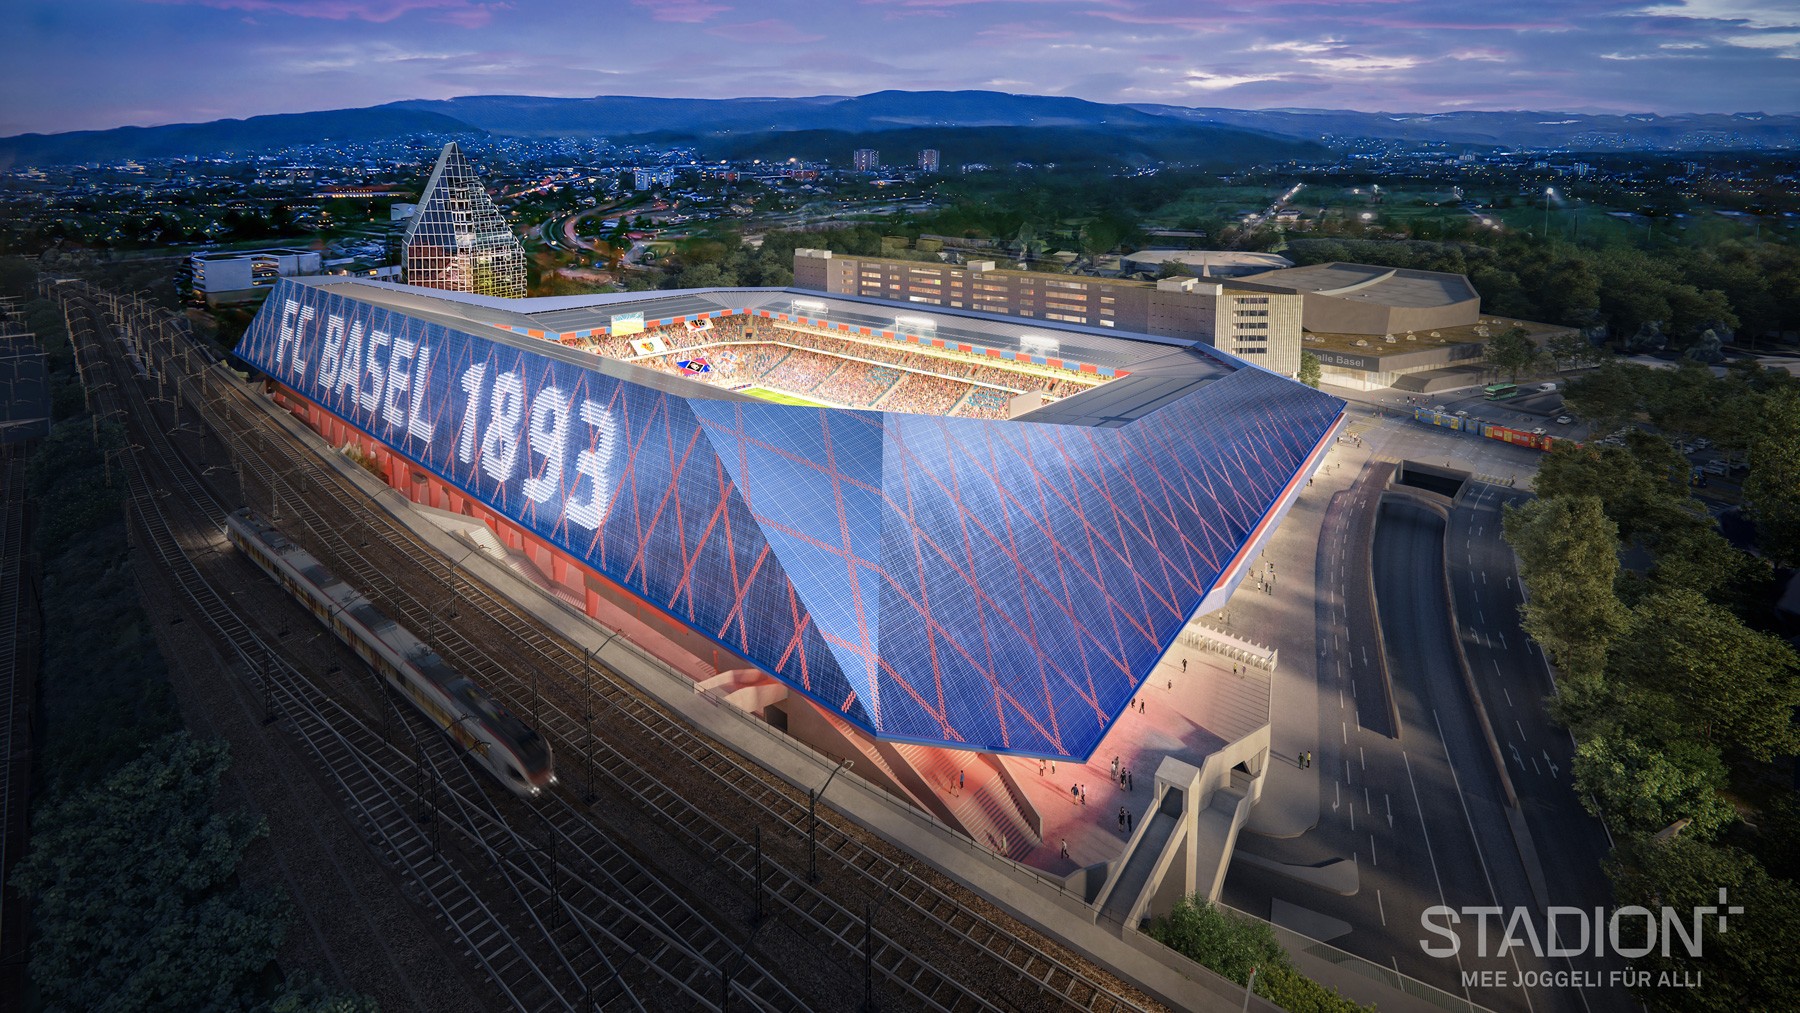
x=928, y=160
x=231, y=276
x=1258, y=322
x=458, y=239
x=866, y=159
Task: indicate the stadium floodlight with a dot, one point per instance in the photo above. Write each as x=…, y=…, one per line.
x=915, y=324
x=812, y=305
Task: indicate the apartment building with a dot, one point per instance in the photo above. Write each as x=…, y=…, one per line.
x=1259, y=323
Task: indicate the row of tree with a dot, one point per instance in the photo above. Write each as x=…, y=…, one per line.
x=1678, y=695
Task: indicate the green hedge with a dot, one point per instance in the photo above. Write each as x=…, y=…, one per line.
x=1232, y=944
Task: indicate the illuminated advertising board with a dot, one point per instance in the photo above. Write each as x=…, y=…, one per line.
x=627, y=323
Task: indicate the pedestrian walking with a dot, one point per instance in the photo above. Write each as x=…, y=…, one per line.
x=1300, y=760
x=1121, y=779
x=1065, y=847
x=1074, y=792
x=1040, y=766
x=1171, y=683
x=1084, y=794
x=1128, y=822
x=1183, y=666
x=1130, y=782
x=1121, y=817
x=1140, y=706
x=959, y=779
x=1115, y=767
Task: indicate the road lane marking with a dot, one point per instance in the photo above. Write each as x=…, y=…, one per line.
x=1503, y=643
x=1555, y=771
x=1539, y=771
x=1474, y=837
x=1337, y=794
x=1379, y=906
x=1389, y=801
x=1342, y=727
x=1483, y=616
x=1352, y=690
x=1365, y=653
x=1365, y=758
x=1503, y=690
x=1372, y=859
x=1521, y=728
x=1368, y=806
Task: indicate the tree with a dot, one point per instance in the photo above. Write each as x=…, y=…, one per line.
x=1232, y=944
x=1512, y=352
x=1772, y=489
x=1645, y=789
x=1310, y=373
x=135, y=889
x=1753, y=966
x=1725, y=683
x=1608, y=396
x=1570, y=348
x=1568, y=557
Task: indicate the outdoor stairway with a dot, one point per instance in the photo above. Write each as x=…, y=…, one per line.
x=484, y=540
x=981, y=808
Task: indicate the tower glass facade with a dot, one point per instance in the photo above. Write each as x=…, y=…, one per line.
x=458, y=240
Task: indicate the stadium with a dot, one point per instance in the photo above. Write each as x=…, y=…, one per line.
x=886, y=531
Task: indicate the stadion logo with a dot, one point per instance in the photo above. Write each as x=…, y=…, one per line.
x=1573, y=931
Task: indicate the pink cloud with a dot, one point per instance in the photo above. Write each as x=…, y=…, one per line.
x=466, y=13
x=691, y=12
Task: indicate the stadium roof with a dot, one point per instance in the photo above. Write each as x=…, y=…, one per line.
x=1386, y=286
x=979, y=584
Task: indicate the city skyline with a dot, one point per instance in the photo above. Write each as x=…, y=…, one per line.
x=151, y=62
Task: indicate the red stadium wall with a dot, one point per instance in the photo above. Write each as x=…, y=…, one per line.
x=655, y=630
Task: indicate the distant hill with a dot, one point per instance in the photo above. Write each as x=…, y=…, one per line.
x=1205, y=146
x=1524, y=129
x=899, y=111
x=883, y=110
x=224, y=137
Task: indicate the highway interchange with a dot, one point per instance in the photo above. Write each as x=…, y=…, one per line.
x=1422, y=815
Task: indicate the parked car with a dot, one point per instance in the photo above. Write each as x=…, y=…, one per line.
x=1462, y=412
x=1539, y=431
x=1546, y=386
x=1717, y=467
x=1563, y=420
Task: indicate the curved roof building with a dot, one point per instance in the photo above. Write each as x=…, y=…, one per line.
x=1365, y=299
x=995, y=584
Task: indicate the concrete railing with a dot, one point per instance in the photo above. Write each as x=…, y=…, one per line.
x=1219, y=642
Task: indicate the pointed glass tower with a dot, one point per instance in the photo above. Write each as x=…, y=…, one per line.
x=458, y=240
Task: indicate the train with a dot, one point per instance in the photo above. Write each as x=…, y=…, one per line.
x=514, y=752
x=1477, y=427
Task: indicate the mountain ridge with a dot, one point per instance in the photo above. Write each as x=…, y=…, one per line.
x=889, y=110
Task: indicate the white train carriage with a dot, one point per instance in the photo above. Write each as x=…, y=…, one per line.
x=515, y=752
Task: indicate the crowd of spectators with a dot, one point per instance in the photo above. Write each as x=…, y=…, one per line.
x=746, y=351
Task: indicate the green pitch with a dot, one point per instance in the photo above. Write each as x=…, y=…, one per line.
x=778, y=397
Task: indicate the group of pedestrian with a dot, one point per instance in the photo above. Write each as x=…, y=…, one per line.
x=1305, y=758
x=1079, y=793
x=1124, y=819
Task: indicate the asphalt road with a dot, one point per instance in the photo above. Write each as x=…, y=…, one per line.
x=1423, y=816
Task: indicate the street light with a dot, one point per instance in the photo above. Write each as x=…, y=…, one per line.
x=1549, y=192
x=812, y=827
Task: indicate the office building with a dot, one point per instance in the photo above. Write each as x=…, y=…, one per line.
x=866, y=159
x=1259, y=323
x=458, y=239
x=928, y=160
x=237, y=276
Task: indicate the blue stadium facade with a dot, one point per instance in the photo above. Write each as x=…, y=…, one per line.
x=996, y=585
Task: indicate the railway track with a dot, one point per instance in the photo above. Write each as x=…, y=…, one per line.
x=567, y=887
x=12, y=604
x=546, y=677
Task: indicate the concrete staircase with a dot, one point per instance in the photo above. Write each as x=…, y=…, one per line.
x=981, y=807
x=484, y=540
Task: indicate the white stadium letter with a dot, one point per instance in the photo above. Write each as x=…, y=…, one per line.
x=299, y=359
x=399, y=380
x=548, y=434
x=417, y=425
x=500, y=443
x=471, y=385
x=593, y=463
x=372, y=368
x=284, y=333
x=350, y=367
x=331, y=354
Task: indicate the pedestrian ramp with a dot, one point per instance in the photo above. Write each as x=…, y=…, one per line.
x=1185, y=845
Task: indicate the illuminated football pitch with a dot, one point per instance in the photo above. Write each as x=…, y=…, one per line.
x=779, y=398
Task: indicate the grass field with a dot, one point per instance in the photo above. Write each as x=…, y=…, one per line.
x=778, y=397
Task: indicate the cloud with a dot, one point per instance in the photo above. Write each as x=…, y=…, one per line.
x=1201, y=80
x=1357, y=64
x=465, y=13
x=1322, y=46
x=691, y=12
x=768, y=30
x=1742, y=13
